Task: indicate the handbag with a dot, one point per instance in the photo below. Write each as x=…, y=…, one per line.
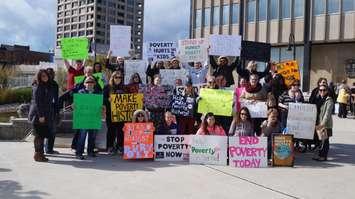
x=322, y=133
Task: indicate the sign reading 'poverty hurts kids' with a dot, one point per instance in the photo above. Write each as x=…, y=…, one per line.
x=124, y=105
x=248, y=152
x=172, y=147
x=161, y=50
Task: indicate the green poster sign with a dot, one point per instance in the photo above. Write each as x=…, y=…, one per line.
x=74, y=48
x=98, y=76
x=87, y=111
x=217, y=101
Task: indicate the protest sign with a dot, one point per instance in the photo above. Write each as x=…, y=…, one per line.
x=138, y=140
x=256, y=109
x=256, y=51
x=124, y=105
x=155, y=97
x=248, y=152
x=182, y=106
x=172, y=147
x=301, y=120
x=75, y=48
x=120, y=40
x=217, y=101
x=282, y=150
x=134, y=66
x=208, y=150
x=289, y=71
x=180, y=90
x=98, y=76
x=131, y=88
x=87, y=111
x=225, y=45
x=169, y=76
x=193, y=50
x=161, y=50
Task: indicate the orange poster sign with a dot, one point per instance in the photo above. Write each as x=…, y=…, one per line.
x=138, y=140
x=289, y=70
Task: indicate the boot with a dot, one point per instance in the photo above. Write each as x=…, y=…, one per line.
x=43, y=158
x=39, y=157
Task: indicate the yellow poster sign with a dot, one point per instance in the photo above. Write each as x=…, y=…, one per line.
x=124, y=105
x=289, y=71
x=217, y=101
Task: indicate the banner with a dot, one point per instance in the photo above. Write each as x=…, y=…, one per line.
x=182, y=106
x=120, y=40
x=98, y=76
x=161, y=50
x=225, y=45
x=289, y=71
x=172, y=147
x=217, y=101
x=282, y=150
x=75, y=48
x=193, y=50
x=138, y=140
x=169, y=76
x=208, y=150
x=155, y=97
x=256, y=51
x=248, y=152
x=301, y=120
x=87, y=111
x=134, y=66
x=256, y=109
x=124, y=105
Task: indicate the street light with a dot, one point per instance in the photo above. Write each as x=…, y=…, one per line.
x=292, y=45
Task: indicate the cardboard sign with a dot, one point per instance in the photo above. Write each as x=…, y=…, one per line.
x=282, y=150
x=256, y=51
x=172, y=147
x=161, y=50
x=87, y=111
x=138, y=140
x=124, y=105
x=169, y=76
x=248, y=152
x=256, y=109
x=98, y=76
x=301, y=120
x=182, y=106
x=180, y=90
x=208, y=150
x=134, y=66
x=155, y=97
x=225, y=45
x=193, y=50
x=75, y=48
x=120, y=40
x=217, y=101
x=289, y=71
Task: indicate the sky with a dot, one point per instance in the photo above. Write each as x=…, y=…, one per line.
x=33, y=22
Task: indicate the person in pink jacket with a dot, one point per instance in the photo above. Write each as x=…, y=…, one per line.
x=210, y=127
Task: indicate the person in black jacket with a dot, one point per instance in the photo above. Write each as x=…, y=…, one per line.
x=251, y=69
x=119, y=65
x=42, y=112
x=224, y=69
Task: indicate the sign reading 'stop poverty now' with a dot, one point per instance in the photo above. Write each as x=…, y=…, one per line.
x=161, y=50
x=172, y=147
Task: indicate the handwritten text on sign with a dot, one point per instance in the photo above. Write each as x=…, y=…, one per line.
x=256, y=109
x=182, y=106
x=248, y=152
x=124, y=105
x=301, y=120
x=226, y=45
x=172, y=148
x=74, y=48
x=134, y=66
x=289, y=71
x=193, y=50
x=138, y=140
x=120, y=40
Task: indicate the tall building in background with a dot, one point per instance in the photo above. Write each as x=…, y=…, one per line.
x=327, y=27
x=92, y=19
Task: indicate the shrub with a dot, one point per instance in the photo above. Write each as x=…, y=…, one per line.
x=20, y=95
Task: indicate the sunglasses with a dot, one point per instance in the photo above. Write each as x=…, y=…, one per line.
x=244, y=114
x=117, y=77
x=295, y=85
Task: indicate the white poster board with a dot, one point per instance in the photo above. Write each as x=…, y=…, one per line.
x=172, y=147
x=225, y=45
x=301, y=120
x=256, y=109
x=208, y=150
x=161, y=50
x=120, y=40
x=193, y=50
x=134, y=66
x=248, y=152
x=170, y=75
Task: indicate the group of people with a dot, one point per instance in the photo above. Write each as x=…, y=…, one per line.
x=215, y=74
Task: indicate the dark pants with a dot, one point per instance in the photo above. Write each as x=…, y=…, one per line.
x=185, y=125
x=75, y=139
x=81, y=141
x=49, y=142
x=342, y=110
x=324, y=148
x=38, y=143
x=40, y=132
x=115, y=133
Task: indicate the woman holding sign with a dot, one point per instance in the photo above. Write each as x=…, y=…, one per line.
x=210, y=127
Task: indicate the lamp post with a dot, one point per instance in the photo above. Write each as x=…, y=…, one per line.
x=292, y=45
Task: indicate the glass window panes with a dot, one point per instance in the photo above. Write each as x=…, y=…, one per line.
x=262, y=10
x=216, y=15
x=318, y=7
x=286, y=9
x=251, y=10
x=235, y=13
x=274, y=9
x=207, y=20
x=348, y=5
x=299, y=8
x=225, y=14
x=198, y=18
x=333, y=6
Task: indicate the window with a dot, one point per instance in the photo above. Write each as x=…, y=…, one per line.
x=274, y=9
x=318, y=7
x=225, y=14
x=81, y=33
x=207, y=21
x=235, y=13
x=251, y=10
x=299, y=8
x=333, y=6
x=286, y=9
x=348, y=5
x=73, y=27
x=74, y=34
x=216, y=15
x=262, y=10
x=198, y=18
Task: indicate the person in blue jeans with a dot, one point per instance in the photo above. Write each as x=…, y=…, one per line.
x=89, y=88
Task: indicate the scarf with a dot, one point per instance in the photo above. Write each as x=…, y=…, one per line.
x=250, y=89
